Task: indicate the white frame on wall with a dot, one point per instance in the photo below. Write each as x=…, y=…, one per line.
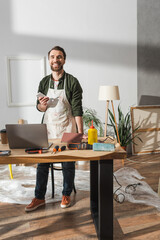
x=11, y=75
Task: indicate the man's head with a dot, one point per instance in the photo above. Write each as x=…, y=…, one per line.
x=58, y=49
x=56, y=57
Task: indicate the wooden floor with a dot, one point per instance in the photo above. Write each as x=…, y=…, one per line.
x=138, y=221
x=49, y=222
x=132, y=221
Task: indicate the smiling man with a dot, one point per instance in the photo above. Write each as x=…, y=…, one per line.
x=62, y=107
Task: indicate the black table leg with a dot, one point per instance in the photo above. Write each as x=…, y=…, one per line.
x=52, y=179
x=105, y=199
x=102, y=198
x=94, y=192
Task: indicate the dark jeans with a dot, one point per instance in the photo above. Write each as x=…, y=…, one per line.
x=68, y=169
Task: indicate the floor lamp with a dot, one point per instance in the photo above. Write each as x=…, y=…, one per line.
x=109, y=93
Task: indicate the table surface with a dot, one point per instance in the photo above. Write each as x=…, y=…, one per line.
x=19, y=155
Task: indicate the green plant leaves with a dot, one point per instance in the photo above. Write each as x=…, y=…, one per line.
x=89, y=115
x=124, y=128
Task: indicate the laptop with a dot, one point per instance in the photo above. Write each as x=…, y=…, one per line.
x=27, y=136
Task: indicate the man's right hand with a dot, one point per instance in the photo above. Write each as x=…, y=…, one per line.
x=43, y=100
x=42, y=106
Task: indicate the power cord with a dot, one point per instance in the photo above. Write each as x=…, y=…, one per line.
x=129, y=189
x=120, y=196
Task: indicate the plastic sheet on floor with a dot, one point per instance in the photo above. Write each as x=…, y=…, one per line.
x=21, y=188
x=132, y=187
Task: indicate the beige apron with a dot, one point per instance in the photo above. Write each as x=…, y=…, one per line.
x=58, y=115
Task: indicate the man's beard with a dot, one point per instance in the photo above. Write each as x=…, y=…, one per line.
x=56, y=69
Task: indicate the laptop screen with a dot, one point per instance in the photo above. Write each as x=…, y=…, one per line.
x=27, y=135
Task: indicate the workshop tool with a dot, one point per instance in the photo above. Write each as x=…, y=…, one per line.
x=5, y=152
x=34, y=150
x=55, y=149
x=62, y=149
x=79, y=146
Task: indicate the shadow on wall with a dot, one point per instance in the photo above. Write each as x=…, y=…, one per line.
x=92, y=51
x=85, y=50
x=148, y=58
x=149, y=100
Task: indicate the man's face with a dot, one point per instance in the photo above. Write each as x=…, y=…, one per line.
x=56, y=60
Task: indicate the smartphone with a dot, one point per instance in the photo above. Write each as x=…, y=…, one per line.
x=40, y=95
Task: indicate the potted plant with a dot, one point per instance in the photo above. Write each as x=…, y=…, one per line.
x=89, y=115
x=124, y=128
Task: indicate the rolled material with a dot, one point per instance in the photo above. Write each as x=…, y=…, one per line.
x=21, y=121
x=4, y=139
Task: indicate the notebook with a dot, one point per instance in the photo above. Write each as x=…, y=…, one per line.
x=27, y=136
x=72, y=137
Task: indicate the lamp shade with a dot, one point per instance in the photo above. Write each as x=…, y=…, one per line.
x=109, y=93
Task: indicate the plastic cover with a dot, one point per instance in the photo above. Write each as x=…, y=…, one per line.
x=134, y=188
x=21, y=188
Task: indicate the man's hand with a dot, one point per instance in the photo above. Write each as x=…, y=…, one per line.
x=42, y=106
x=43, y=100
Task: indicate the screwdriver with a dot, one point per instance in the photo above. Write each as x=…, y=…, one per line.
x=62, y=149
x=55, y=149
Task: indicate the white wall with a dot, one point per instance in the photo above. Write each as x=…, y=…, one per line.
x=100, y=39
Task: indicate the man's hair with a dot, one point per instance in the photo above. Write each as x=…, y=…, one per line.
x=59, y=49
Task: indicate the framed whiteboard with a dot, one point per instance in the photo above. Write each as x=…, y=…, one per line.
x=148, y=118
x=23, y=77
